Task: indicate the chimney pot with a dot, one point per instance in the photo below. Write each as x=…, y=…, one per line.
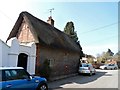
x=50, y=21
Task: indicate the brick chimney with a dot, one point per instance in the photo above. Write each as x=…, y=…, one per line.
x=50, y=21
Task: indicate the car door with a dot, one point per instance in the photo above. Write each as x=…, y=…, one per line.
x=112, y=66
x=92, y=69
x=1, y=79
x=18, y=79
x=109, y=66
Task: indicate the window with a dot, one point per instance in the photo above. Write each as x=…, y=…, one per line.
x=22, y=74
x=85, y=65
x=51, y=62
x=16, y=74
x=11, y=74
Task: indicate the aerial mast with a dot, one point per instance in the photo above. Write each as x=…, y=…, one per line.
x=50, y=10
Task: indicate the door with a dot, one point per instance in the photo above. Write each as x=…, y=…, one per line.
x=17, y=80
x=22, y=60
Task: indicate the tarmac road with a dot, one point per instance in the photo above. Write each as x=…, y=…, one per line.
x=102, y=79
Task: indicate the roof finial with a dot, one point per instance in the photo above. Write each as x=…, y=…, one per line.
x=51, y=11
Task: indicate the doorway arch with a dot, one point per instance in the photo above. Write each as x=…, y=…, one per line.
x=22, y=60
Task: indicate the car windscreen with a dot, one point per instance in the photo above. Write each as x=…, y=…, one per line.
x=85, y=65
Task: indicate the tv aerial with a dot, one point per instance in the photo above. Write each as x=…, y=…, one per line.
x=50, y=10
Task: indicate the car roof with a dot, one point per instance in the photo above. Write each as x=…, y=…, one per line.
x=3, y=68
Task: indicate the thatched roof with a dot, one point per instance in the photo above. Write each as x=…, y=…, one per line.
x=44, y=33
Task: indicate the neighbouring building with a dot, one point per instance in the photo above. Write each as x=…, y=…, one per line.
x=51, y=44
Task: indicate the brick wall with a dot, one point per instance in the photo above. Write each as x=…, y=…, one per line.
x=25, y=35
x=62, y=63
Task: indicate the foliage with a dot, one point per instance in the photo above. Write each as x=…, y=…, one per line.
x=109, y=52
x=105, y=56
x=90, y=59
x=69, y=30
x=117, y=56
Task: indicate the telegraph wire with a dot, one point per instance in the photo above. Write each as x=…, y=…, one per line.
x=100, y=28
x=6, y=16
x=106, y=38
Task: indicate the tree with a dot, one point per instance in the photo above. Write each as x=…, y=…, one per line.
x=90, y=59
x=109, y=52
x=117, y=56
x=69, y=30
x=105, y=56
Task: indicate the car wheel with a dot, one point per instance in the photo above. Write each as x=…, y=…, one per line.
x=105, y=68
x=42, y=87
x=94, y=72
x=90, y=73
x=115, y=68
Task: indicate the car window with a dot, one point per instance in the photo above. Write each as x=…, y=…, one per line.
x=112, y=64
x=22, y=74
x=80, y=65
x=85, y=65
x=16, y=74
x=10, y=74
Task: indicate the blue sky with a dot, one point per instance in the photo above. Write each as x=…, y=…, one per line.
x=96, y=23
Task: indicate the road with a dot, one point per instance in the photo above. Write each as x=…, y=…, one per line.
x=102, y=79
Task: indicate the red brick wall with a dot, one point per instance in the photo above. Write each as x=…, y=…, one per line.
x=37, y=59
x=25, y=35
x=62, y=62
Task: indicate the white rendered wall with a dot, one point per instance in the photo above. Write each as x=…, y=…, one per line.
x=31, y=52
x=14, y=52
x=4, y=49
x=0, y=53
x=9, y=54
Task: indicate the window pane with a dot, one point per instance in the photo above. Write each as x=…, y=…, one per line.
x=8, y=75
x=22, y=74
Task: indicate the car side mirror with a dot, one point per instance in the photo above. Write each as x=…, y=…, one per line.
x=30, y=77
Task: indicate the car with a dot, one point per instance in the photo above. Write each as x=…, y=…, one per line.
x=17, y=78
x=109, y=66
x=86, y=68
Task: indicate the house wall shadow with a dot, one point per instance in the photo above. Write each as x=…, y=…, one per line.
x=79, y=79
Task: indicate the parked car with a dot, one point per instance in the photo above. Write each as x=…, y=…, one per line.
x=109, y=66
x=16, y=78
x=86, y=69
x=97, y=65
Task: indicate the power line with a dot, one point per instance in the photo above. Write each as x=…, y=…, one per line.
x=106, y=38
x=6, y=16
x=100, y=28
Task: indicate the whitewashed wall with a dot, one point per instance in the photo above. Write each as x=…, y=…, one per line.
x=0, y=53
x=9, y=54
x=4, y=50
